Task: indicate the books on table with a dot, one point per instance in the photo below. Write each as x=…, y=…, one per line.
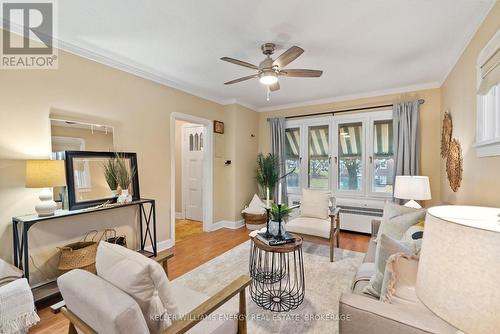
x=274, y=240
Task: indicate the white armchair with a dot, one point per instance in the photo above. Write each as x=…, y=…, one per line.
x=317, y=219
x=119, y=299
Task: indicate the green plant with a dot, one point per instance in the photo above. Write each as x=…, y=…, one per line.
x=110, y=173
x=267, y=174
x=285, y=212
x=124, y=175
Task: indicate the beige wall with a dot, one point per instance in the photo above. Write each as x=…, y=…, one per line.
x=243, y=148
x=83, y=90
x=97, y=141
x=481, y=180
x=429, y=117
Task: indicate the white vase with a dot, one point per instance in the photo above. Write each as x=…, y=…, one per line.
x=114, y=193
x=124, y=196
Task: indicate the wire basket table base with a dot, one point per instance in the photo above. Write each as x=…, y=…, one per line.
x=278, y=283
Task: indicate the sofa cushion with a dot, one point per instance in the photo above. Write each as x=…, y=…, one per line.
x=315, y=204
x=222, y=321
x=142, y=278
x=310, y=226
x=400, y=280
x=362, y=277
x=387, y=247
x=100, y=304
x=397, y=219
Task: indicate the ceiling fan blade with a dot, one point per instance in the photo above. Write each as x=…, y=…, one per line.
x=240, y=62
x=288, y=56
x=248, y=77
x=302, y=73
x=274, y=87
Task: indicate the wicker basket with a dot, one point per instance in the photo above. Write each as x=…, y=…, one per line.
x=79, y=255
x=254, y=221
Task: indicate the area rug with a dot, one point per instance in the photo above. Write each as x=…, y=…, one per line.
x=325, y=282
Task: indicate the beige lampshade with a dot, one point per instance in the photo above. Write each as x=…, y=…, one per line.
x=412, y=187
x=45, y=173
x=459, y=267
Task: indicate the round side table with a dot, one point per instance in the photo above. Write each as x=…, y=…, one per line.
x=278, y=281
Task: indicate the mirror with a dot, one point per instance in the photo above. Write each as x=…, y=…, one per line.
x=77, y=136
x=86, y=181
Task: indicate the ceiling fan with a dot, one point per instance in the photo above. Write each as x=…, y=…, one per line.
x=269, y=70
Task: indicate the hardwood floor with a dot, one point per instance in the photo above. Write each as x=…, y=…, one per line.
x=185, y=228
x=190, y=253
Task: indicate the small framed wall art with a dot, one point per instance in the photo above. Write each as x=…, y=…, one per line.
x=218, y=127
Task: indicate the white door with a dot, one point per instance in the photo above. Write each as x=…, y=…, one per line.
x=192, y=172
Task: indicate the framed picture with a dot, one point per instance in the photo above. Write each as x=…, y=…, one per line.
x=218, y=127
x=86, y=181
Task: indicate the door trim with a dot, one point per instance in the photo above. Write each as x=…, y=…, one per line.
x=207, y=170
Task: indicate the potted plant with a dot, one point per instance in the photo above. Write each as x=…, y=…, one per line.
x=267, y=174
x=275, y=216
x=124, y=177
x=110, y=174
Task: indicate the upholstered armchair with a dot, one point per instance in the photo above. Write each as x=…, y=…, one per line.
x=131, y=294
x=317, y=218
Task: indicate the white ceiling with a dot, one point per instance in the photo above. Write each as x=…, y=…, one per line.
x=364, y=47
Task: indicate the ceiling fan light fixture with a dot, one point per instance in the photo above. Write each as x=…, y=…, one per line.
x=268, y=78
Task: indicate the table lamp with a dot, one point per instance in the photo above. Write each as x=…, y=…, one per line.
x=45, y=174
x=459, y=267
x=412, y=188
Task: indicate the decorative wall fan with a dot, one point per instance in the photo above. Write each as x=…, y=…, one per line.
x=454, y=163
x=446, y=134
x=269, y=70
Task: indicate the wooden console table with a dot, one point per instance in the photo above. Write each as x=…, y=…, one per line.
x=22, y=224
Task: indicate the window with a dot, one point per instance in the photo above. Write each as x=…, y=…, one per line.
x=319, y=157
x=488, y=99
x=383, y=157
x=350, y=155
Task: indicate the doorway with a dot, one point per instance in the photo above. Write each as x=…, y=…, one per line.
x=191, y=176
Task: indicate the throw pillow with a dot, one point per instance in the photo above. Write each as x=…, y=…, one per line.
x=256, y=206
x=143, y=279
x=400, y=279
x=397, y=219
x=315, y=204
x=388, y=246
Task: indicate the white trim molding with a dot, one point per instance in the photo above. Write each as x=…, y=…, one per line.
x=350, y=97
x=233, y=225
x=179, y=215
x=208, y=164
x=161, y=246
x=488, y=148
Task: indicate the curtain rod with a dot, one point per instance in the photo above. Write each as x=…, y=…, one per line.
x=420, y=101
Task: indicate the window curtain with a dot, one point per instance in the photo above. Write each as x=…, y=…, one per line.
x=278, y=149
x=406, y=125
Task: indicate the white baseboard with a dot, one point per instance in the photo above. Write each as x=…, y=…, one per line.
x=227, y=224
x=162, y=245
x=179, y=215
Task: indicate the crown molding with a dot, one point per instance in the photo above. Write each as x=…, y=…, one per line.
x=141, y=71
x=376, y=93
x=241, y=103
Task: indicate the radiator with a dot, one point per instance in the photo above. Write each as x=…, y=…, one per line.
x=358, y=219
